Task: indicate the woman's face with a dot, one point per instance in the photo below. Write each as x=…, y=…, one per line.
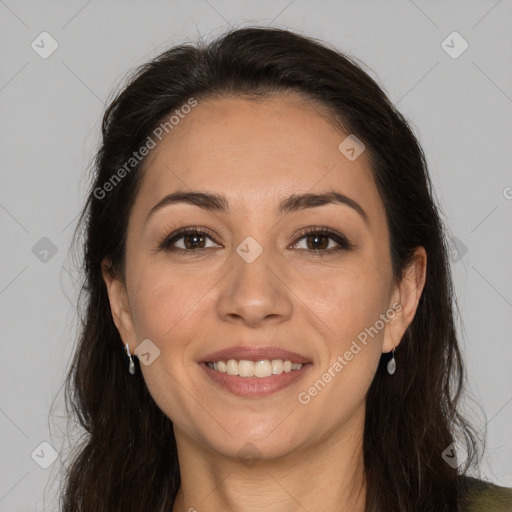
x=254, y=284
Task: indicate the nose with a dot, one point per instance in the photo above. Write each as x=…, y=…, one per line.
x=255, y=293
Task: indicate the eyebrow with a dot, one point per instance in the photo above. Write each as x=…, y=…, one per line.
x=295, y=202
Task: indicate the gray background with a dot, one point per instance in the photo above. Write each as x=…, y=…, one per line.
x=460, y=108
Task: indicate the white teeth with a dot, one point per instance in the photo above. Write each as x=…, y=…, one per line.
x=245, y=368
x=262, y=368
x=231, y=367
x=277, y=366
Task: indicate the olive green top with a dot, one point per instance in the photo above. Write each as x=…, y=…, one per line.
x=481, y=496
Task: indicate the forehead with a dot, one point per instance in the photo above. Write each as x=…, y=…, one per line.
x=256, y=152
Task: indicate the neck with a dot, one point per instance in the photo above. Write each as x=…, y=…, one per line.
x=326, y=477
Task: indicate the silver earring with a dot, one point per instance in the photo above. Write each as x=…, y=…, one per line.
x=392, y=364
x=131, y=366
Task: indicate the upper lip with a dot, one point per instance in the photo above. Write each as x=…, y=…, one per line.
x=254, y=354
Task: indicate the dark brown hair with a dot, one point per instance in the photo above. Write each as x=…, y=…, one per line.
x=128, y=459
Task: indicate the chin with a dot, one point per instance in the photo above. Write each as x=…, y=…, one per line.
x=253, y=439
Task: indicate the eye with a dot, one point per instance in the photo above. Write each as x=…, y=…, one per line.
x=194, y=240
x=318, y=239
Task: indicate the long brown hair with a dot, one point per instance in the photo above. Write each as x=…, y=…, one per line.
x=127, y=460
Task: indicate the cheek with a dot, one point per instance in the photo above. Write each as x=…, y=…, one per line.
x=352, y=310
x=168, y=309
x=355, y=308
x=351, y=301
x=167, y=302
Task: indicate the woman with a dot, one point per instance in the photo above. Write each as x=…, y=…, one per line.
x=262, y=236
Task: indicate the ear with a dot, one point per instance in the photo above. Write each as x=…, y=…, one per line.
x=407, y=294
x=119, y=305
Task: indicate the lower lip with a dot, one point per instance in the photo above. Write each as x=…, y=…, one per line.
x=255, y=386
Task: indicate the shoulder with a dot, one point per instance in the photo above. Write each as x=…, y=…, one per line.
x=481, y=496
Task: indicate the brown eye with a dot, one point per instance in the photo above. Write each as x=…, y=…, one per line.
x=323, y=240
x=196, y=241
x=314, y=242
x=187, y=240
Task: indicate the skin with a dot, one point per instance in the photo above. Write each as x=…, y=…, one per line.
x=256, y=153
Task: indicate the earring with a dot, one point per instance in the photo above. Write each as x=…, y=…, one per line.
x=131, y=367
x=392, y=364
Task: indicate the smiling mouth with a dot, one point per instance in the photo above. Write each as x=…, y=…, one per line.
x=262, y=368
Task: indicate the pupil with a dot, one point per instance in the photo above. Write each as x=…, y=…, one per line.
x=316, y=237
x=195, y=237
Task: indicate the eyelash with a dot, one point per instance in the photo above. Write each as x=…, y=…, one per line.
x=343, y=244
